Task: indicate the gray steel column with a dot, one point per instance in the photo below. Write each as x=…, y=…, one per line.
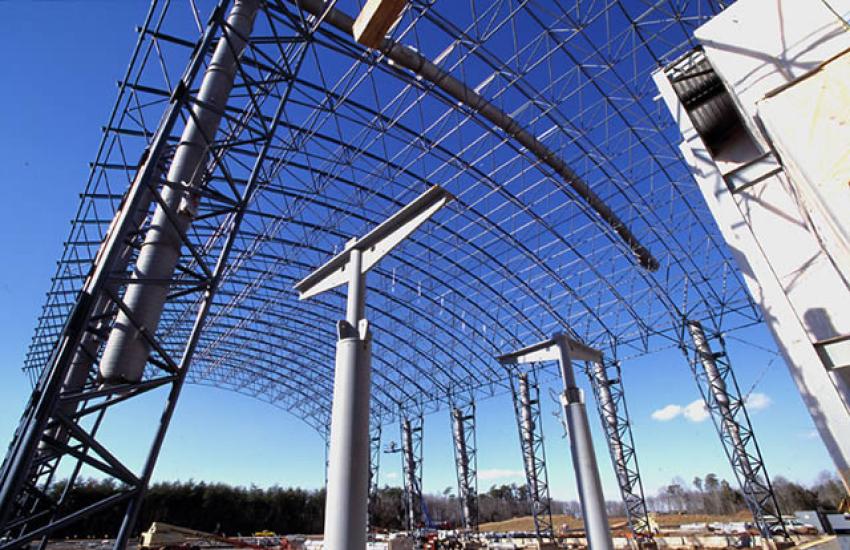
x=584, y=459
x=126, y=351
x=346, y=509
x=408, y=454
x=721, y=396
x=527, y=419
x=463, y=467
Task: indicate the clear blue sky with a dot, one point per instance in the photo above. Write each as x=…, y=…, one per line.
x=60, y=63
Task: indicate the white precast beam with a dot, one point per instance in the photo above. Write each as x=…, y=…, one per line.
x=376, y=244
x=758, y=50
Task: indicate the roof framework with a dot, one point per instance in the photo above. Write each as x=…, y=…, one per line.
x=515, y=258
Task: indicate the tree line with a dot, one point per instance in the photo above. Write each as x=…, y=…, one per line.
x=236, y=510
x=711, y=495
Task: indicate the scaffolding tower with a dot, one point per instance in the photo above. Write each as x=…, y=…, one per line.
x=526, y=398
x=466, y=462
x=411, y=460
x=724, y=401
x=374, y=471
x=607, y=384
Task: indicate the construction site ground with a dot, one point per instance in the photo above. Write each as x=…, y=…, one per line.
x=665, y=521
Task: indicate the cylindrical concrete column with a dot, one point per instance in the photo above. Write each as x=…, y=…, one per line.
x=346, y=508
x=126, y=351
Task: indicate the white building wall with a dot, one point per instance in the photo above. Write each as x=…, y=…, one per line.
x=786, y=231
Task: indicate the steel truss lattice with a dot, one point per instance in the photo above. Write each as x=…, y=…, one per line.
x=526, y=397
x=608, y=392
x=374, y=469
x=320, y=139
x=415, y=512
x=466, y=461
x=726, y=404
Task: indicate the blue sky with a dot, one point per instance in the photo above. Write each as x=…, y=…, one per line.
x=61, y=61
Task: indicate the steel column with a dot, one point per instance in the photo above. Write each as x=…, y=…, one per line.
x=374, y=470
x=586, y=469
x=411, y=456
x=346, y=509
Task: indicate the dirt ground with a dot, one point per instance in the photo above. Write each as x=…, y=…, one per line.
x=664, y=521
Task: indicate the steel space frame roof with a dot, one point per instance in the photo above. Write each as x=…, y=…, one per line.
x=517, y=256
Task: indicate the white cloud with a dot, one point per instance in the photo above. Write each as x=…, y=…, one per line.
x=497, y=473
x=666, y=413
x=391, y=475
x=695, y=411
x=758, y=401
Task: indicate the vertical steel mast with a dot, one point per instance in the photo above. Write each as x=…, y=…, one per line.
x=374, y=470
x=563, y=349
x=411, y=466
x=346, y=507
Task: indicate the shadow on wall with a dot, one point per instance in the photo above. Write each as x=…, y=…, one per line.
x=814, y=316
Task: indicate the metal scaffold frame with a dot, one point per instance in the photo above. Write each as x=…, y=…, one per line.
x=724, y=401
x=606, y=381
x=374, y=471
x=466, y=461
x=71, y=399
x=526, y=397
x=411, y=469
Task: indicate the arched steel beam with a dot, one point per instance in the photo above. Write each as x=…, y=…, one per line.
x=411, y=60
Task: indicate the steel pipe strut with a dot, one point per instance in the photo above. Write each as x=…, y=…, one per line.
x=410, y=59
x=127, y=351
x=347, y=505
